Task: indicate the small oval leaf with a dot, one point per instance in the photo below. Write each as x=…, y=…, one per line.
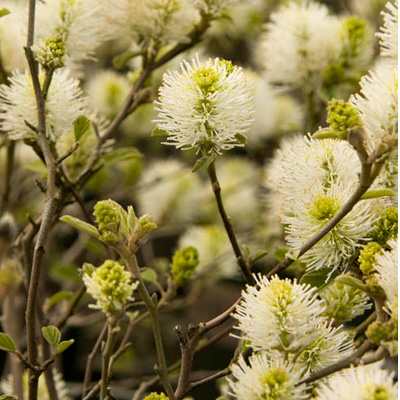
x=149, y=275
x=6, y=343
x=80, y=225
x=64, y=345
x=319, y=278
x=52, y=334
x=8, y=397
x=203, y=163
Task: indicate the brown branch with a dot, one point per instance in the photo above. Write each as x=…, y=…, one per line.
x=8, y=170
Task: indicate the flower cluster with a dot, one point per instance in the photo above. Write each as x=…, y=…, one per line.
x=110, y=285
x=206, y=105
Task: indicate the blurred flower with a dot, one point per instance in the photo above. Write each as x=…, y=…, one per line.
x=205, y=105
x=107, y=91
x=378, y=104
x=332, y=345
x=64, y=103
x=184, y=263
x=306, y=35
x=343, y=302
x=310, y=212
x=13, y=32
x=368, y=9
x=43, y=394
x=388, y=35
x=168, y=191
x=265, y=377
x=279, y=314
x=361, y=383
x=387, y=268
x=80, y=24
x=215, y=253
x=110, y=285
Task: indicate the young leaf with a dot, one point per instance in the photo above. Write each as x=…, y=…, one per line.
x=319, y=278
x=149, y=275
x=52, y=334
x=80, y=225
x=8, y=397
x=57, y=298
x=259, y=255
x=375, y=194
x=158, y=132
x=3, y=12
x=6, y=343
x=203, y=163
x=81, y=126
x=241, y=138
x=122, y=154
x=120, y=60
x=351, y=281
x=64, y=345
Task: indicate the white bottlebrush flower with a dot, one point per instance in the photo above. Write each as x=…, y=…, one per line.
x=310, y=212
x=387, y=271
x=215, y=252
x=344, y=303
x=332, y=344
x=265, y=377
x=64, y=103
x=279, y=314
x=13, y=32
x=361, y=383
x=80, y=23
x=43, y=394
x=389, y=32
x=168, y=191
x=307, y=36
x=107, y=91
x=110, y=285
x=205, y=105
x=378, y=105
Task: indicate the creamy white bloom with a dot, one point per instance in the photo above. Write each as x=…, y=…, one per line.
x=265, y=377
x=168, y=191
x=110, y=285
x=361, y=383
x=13, y=31
x=64, y=103
x=107, y=91
x=80, y=23
x=387, y=267
x=310, y=212
x=300, y=42
x=215, y=252
x=332, y=344
x=43, y=394
x=165, y=21
x=343, y=302
x=206, y=104
x=279, y=314
x=389, y=33
x=378, y=104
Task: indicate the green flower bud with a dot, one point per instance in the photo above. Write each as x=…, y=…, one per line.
x=378, y=332
x=51, y=53
x=110, y=285
x=342, y=116
x=184, y=263
x=156, y=396
x=367, y=257
x=109, y=216
x=387, y=226
x=144, y=225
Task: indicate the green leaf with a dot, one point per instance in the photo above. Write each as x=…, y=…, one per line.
x=158, y=132
x=6, y=343
x=8, y=397
x=241, y=138
x=64, y=272
x=149, y=275
x=64, y=345
x=319, y=278
x=280, y=253
x=4, y=12
x=80, y=225
x=203, y=163
x=120, y=60
x=88, y=269
x=351, y=281
x=375, y=194
x=82, y=125
x=57, y=298
x=259, y=255
x=52, y=334
x=122, y=154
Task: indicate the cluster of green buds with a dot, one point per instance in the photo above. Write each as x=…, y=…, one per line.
x=342, y=117
x=156, y=396
x=385, y=334
x=110, y=285
x=51, y=53
x=115, y=225
x=184, y=263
